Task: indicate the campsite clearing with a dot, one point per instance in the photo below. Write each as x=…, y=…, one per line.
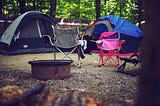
x=100, y=82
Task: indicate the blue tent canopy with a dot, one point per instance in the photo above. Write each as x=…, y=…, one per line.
x=123, y=26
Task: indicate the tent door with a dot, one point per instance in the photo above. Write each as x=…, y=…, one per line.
x=30, y=30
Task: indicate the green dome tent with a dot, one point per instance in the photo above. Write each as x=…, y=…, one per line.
x=26, y=34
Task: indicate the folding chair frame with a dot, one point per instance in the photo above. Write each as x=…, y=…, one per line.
x=66, y=55
x=69, y=52
x=112, y=55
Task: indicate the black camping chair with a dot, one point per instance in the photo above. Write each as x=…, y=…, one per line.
x=131, y=60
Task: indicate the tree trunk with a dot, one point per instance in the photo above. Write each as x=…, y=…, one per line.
x=34, y=5
x=1, y=6
x=22, y=6
x=140, y=13
x=52, y=8
x=98, y=8
x=149, y=88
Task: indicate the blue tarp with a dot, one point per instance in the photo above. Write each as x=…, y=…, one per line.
x=123, y=26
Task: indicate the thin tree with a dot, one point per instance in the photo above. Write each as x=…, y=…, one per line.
x=1, y=7
x=140, y=12
x=98, y=8
x=53, y=8
x=34, y=5
x=22, y=6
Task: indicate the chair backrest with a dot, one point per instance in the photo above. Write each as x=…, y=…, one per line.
x=109, y=35
x=66, y=37
x=109, y=41
x=110, y=44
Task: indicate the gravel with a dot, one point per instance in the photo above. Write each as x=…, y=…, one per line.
x=100, y=82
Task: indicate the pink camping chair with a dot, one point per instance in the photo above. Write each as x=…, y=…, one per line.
x=109, y=45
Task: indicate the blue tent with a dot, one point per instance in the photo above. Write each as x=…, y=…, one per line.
x=128, y=31
x=123, y=26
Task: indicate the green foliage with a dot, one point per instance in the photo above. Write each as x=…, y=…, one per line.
x=75, y=9
x=10, y=7
x=124, y=8
x=85, y=9
x=82, y=9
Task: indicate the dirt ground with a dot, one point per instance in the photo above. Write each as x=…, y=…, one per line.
x=98, y=81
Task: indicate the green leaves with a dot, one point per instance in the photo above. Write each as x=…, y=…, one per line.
x=85, y=9
x=81, y=9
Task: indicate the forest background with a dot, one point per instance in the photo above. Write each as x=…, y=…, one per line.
x=90, y=10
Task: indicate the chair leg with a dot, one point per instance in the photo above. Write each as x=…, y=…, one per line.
x=100, y=61
x=54, y=54
x=114, y=60
x=66, y=55
x=111, y=56
x=122, y=67
x=78, y=64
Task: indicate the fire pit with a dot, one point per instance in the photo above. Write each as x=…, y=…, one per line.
x=50, y=69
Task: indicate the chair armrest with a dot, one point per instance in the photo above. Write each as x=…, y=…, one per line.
x=50, y=39
x=122, y=41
